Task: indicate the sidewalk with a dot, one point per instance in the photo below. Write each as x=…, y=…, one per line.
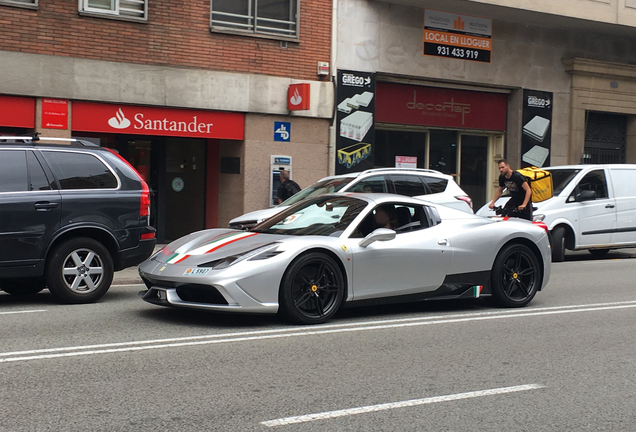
x=130, y=275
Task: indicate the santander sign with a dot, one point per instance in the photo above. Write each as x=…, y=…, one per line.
x=94, y=117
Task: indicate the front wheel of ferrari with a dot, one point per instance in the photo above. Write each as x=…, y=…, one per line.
x=516, y=276
x=312, y=289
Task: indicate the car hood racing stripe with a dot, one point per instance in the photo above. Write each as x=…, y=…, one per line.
x=209, y=246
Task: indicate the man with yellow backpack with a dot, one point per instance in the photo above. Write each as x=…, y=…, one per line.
x=519, y=189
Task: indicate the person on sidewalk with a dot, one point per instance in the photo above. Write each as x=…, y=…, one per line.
x=287, y=187
x=520, y=192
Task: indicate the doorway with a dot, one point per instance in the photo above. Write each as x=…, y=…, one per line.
x=175, y=170
x=474, y=167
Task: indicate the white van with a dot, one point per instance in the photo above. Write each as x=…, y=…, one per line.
x=593, y=208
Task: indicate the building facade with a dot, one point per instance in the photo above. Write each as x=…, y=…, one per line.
x=458, y=84
x=193, y=94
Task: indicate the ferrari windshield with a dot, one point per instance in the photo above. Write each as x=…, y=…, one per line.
x=320, y=188
x=323, y=216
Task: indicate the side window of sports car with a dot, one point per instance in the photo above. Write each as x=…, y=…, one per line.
x=402, y=218
x=411, y=218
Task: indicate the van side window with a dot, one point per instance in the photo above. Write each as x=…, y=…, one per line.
x=13, y=171
x=594, y=181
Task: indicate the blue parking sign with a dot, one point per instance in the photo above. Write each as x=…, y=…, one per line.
x=282, y=131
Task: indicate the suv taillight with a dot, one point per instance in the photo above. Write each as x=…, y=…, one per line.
x=466, y=199
x=144, y=208
x=144, y=204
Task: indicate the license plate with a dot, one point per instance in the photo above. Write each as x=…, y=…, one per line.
x=196, y=271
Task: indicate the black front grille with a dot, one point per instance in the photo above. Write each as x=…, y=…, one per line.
x=200, y=294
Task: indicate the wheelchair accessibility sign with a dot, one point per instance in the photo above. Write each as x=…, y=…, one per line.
x=282, y=131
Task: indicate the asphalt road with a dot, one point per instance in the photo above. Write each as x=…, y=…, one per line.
x=565, y=363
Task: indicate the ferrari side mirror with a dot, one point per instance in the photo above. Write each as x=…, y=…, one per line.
x=380, y=234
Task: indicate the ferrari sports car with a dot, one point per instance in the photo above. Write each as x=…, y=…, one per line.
x=340, y=249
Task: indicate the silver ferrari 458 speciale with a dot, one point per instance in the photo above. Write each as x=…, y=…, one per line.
x=334, y=250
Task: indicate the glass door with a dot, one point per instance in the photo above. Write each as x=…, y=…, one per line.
x=443, y=151
x=473, y=169
x=184, y=186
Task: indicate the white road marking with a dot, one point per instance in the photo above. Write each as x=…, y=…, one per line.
x=22, y=312
x=286, y=332
x=394, y=405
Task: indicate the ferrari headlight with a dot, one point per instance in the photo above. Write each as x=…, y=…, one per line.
x=538, y=218
x=260, y=253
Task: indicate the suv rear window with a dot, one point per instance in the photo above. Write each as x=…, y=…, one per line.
x=409, y=185
x=13, y=171
x=80, y=170
x=436, y=185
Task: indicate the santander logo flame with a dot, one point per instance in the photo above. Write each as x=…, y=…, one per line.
x=296, y=99
x=119, y=121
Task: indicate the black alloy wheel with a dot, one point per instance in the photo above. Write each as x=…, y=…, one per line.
x=312, y=289
x=516, y=276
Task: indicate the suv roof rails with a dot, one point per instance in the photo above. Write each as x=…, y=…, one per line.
x=423, y=170
x=35, y=138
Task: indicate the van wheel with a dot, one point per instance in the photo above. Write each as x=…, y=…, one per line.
x=80, y=270
x=558, y=244
x=22, y=287
x=599, y=253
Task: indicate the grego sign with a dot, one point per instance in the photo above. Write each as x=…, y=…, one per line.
x=127, y=119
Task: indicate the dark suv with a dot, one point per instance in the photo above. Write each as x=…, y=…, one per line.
x=70, y=216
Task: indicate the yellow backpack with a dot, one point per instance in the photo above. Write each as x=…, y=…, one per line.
x=540, y=181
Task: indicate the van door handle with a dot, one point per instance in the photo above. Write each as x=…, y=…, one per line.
x=443, y=242
x=609, y=206
x=45, y=205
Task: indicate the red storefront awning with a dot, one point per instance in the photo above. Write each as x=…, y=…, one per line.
x=143, y=120
x=16, y=111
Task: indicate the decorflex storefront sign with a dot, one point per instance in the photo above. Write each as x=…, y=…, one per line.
x=431, y=106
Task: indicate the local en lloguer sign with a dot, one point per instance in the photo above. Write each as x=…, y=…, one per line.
x=431, y=106
x=138, y=120
x=457, y=36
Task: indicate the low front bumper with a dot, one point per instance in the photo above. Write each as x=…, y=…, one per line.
x=198, y=292
x=170, y=297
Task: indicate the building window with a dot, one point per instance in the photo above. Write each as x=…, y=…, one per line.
x=23, y=3
x=130, y=9
x=266, y=17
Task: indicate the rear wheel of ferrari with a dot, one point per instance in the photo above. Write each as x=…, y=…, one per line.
x=516, y=276
x=312, y=289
